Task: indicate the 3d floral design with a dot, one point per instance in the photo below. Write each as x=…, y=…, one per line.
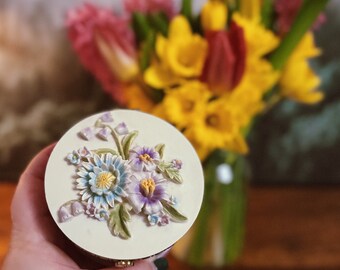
x=143, y=158
x=112, y=182
x=102, y=180
x=147, y=193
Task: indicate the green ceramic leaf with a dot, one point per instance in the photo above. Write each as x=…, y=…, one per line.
x=174, y=214
x=169, y=172
x=127, y=141
x=119, y=216
x=102, y=151
x=160, y=149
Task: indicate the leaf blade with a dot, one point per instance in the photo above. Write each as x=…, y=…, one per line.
x=127, y=141
x=174, y=214
x=118, y=219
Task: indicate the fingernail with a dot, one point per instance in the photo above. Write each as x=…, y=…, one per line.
x=161, y=264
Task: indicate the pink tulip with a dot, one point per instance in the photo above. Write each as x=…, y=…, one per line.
x=104, y=43
x=225, y=63
x=150, y=6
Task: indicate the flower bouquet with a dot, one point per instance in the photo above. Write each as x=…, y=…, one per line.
x=211, y=75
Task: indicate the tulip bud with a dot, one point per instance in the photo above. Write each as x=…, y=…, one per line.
x=122, y=65
x=214, y=15
x=225, y=63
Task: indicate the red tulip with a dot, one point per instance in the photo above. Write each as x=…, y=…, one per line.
x=104, y=43
x=225, y=63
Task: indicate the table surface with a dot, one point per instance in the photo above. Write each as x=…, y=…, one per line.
x=288, y=227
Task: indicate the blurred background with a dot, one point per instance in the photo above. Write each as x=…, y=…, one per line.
x=44, y=90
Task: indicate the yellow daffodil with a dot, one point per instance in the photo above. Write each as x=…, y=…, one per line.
x=298, y=81
x=251, y=9
x=137, y=99
x=217, y=126
x=214, y=15
x=181, y=55
x=183, y=103
x=260, y=41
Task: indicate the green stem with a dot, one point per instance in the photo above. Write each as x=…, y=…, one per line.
x=117, y=141
x=140, y=25
x=187, y=9
x=304, y=20
x=267, y=13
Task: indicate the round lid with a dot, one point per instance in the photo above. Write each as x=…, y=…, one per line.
x=124, y=185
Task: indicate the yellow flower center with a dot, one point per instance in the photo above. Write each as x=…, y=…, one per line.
x=212, y=120
x=105, y=180
x=148, y=186
x=145, y=157
x=188, y=105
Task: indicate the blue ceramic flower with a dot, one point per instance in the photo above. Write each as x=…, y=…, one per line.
x=143, y=158
x=147, y=190
x=102, y=180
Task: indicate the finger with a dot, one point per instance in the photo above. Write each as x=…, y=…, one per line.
x=29, y=208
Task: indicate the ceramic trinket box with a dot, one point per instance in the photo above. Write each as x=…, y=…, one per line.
x=124, y=185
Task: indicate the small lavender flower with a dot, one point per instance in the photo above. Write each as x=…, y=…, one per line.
x=101, y=214
x=86, y=133
x=122, y=129
x=90, y=210
x=84, y=152
x=143, y=158
x=64, y=214
x=77, y=208
x=164, y=220
x=176, y=163
x=106, y=117
x=73, y=158
x=153, y=219
x=103, y=133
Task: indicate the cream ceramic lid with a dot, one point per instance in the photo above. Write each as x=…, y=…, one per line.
x=124, y=185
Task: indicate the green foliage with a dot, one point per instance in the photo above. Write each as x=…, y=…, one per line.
x=127, y=141
x=174, y=214
x=118, y=218
x=160, y=149
x=170, y=172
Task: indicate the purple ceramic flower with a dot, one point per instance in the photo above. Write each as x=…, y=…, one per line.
x=122, y=129
x=64, y=214
x=77, y=208
x=86, y=133
x=164, y=220
x=84, y=152
x=143, y=158
x=103, y=133
x=107, y=117
x=146, y=192
x=90, y=210
x=176, y=163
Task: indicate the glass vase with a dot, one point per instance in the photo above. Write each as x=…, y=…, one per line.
x=216, y=238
